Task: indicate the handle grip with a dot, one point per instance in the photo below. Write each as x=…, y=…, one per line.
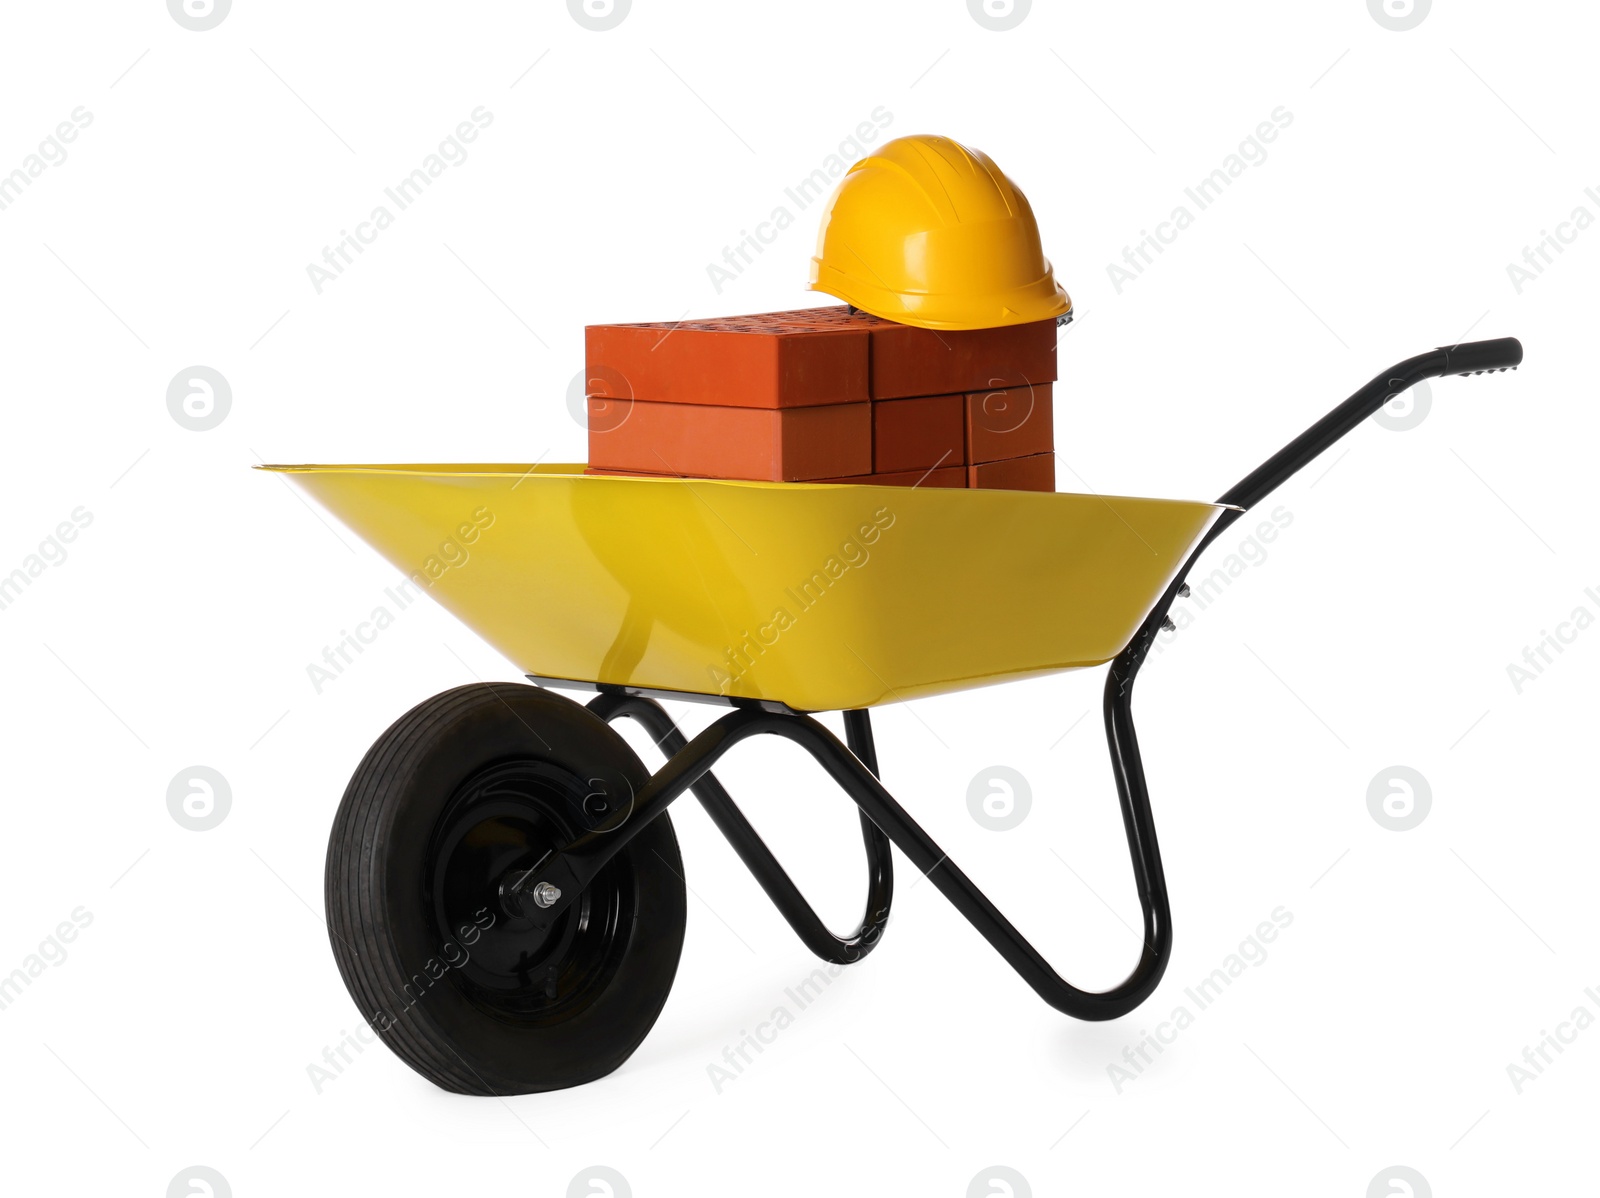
x=1478, y=357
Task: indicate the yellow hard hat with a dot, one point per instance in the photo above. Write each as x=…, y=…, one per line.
x=930, y=232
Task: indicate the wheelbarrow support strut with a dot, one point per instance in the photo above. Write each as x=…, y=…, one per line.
x=753, y=851
x=854, y=768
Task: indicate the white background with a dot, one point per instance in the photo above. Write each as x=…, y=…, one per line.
x=1377, y=631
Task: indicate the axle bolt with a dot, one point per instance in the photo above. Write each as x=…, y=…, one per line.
x=546, y=895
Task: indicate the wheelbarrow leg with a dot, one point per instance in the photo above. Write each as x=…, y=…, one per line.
x=571, y=867
x=753, y=851
x=880, y=806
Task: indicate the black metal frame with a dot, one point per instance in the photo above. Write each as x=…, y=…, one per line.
x=747, y=842
x=855, y=768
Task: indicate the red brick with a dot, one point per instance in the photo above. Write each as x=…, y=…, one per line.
x=910, y=361
x=1036, y=472
x=1011, y=422
x=946, y=476
x=605, y=413
x=914, y=434
x=732, y=361
x=699, y=440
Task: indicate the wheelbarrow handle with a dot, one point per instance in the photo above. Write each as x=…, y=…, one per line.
x=1469, y=357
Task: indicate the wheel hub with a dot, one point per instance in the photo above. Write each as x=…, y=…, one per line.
x=498, y=825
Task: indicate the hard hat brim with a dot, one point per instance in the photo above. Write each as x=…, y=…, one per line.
x=1044, y=299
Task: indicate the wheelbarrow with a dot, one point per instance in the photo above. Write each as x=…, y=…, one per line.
x=505, y=894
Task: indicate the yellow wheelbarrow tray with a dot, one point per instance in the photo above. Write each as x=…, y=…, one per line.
x=816, y=597
x=510, y=819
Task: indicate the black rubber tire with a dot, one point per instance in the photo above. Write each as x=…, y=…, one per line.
x=464, y=1012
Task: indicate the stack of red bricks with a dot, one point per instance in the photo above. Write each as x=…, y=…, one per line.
x=824, y=395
